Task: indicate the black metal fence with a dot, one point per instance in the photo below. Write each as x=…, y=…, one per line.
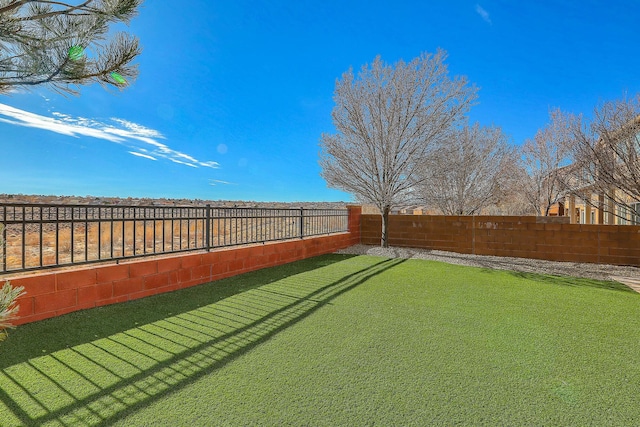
x=37, y=236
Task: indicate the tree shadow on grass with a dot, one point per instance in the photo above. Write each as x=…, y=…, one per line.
x=577, y=282
x=518, y=267
x=101, y=380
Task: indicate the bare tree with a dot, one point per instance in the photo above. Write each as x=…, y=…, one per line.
x=513, y=203
x=387, y=119
x=469, y=171
x=60, y=44
x=542, y=158
x=605, y=150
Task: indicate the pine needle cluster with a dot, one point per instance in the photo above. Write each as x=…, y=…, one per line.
x=8, y=307
x=66, y=45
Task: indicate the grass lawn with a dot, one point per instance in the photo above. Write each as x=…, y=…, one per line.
x=338, y=341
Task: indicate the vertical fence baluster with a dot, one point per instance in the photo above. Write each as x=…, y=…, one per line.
x=57, y=235
x=86, y=234
x=41, y=225
x=173, y=231
x=4, y=238
x=188, y=230
x=123, y=233
x=164, y=225
x=23, y=237
x=71, y=235
x=180, y=235
x=195, y=228
x=99, y=239
x=155, y=215
x=144, y=231
x=134, y=232
x=208, y=227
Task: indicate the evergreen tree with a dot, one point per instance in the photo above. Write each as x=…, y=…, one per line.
x=63, y=45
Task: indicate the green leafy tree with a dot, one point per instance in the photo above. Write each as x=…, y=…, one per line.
x=65, y=45
x=8, y=307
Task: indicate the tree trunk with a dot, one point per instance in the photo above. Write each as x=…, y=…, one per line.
x=385, y=227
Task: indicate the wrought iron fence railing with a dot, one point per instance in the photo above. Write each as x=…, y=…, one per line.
x=37, y=236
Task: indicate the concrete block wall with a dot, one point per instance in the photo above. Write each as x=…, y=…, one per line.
x=56, y=292
x=511, y=236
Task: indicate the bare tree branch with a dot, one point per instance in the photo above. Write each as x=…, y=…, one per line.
x=543, y=156
x=468, y=171
x=605, y=151
x=387, y=119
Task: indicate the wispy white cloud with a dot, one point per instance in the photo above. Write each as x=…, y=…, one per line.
x=139, y=140
x=210, y=164
x=146, y=156
x=217, y=181
x=483, y=14
x=138, y=129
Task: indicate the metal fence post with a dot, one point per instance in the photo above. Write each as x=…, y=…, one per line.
x=301, y=223
x=208, y=227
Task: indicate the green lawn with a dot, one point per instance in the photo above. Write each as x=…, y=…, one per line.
x=338, y=341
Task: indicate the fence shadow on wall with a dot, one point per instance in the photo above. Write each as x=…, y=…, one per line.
x=103, y=377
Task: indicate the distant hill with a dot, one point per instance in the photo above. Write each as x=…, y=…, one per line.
x=129, y=201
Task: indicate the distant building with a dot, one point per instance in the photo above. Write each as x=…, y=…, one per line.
x=586, y=204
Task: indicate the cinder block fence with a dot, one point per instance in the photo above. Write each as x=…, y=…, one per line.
x=511, y=236
x=56, y=292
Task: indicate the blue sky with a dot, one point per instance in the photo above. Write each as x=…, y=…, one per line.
x=233, y=95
